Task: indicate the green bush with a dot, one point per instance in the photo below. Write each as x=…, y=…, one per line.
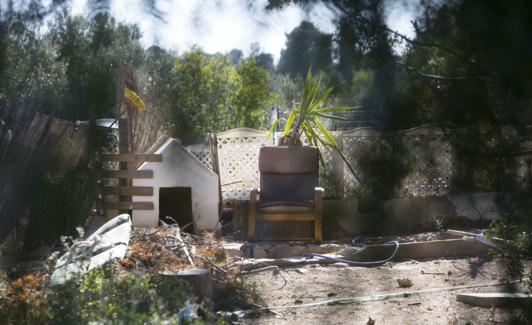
x=106, y=295
x=60, y=201
x=381, y=167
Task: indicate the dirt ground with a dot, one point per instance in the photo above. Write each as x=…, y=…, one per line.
x=314, y=283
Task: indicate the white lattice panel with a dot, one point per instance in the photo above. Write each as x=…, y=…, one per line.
x=202, y=152
x=353, y=142
x=427, y=151
x=432, y=161
x=238, y=156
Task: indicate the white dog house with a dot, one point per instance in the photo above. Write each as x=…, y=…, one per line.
x=183, y=188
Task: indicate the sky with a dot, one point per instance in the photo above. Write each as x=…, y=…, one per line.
x=222, y=25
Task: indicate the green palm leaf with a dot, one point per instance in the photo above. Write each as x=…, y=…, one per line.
x=272, y=128
x=289, y=121
x=326, y=133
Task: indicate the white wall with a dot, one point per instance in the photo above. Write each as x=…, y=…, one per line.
x=179, y=168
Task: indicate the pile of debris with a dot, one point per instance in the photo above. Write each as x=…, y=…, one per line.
x=166, y=249
x=148, y=251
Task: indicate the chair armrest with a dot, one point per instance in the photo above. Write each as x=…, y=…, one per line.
x=254, y=193
x=317, y=194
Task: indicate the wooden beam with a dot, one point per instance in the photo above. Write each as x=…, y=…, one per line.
x=126, y=190
x=310, y=238
x=132, y=157
x=129, y=205
x=285, y=217
x=127, y=173
x=496, y=299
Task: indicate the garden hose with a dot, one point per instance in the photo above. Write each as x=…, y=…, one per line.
x=359, y=263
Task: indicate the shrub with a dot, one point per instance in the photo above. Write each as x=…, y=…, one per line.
x=382, y=167
x=106, y=295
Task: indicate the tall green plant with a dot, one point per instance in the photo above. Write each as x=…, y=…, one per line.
x=305, y=117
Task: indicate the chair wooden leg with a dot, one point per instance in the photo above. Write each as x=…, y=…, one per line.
x=317, y=217
x=252, y=215
x=317, y=228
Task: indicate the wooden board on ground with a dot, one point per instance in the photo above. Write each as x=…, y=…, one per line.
x=496, y=299
x=132, y=157
x=129, y=190
x=127, y=173
x=129, y=205
x=427, y=249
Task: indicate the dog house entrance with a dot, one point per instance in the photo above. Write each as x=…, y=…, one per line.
x=176, y=202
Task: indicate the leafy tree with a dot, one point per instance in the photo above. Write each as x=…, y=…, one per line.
x=254, y=98
x=347, y=53
x=306, y=47
x=203, y=94
x=235, y=55
x=213, y=95
x=265, y=60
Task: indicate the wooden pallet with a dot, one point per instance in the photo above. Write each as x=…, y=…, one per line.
x=125, y=191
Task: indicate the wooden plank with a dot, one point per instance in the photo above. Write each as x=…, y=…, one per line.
x=127, y=173
x=129, y=190
x=129, y=205
x=496, y=299
x=132, y=157
x=285, y=217
x=428, y=249
x=259, y=238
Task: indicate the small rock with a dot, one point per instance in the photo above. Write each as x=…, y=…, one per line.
x=404, y=283
x=371, y=321
x=259, y=252
x=281, y=251
x=247, y=250
x=449, y=273
x=331, y=294
x=298, y=301
x=340, y=264
x=301, y=271
x=234, y=249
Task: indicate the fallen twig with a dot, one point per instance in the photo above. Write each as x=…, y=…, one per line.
x=183, y=246
x=267, y=268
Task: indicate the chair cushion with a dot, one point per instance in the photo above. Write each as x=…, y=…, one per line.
x=288, y=187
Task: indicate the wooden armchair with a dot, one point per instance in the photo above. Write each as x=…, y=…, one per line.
x=288, y=190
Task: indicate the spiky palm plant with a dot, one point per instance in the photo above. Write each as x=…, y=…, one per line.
x=305, y=117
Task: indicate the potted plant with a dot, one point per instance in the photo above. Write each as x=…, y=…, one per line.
x=305, y=119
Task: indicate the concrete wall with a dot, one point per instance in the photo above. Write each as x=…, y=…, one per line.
x=179, y=168
x=473, y=206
